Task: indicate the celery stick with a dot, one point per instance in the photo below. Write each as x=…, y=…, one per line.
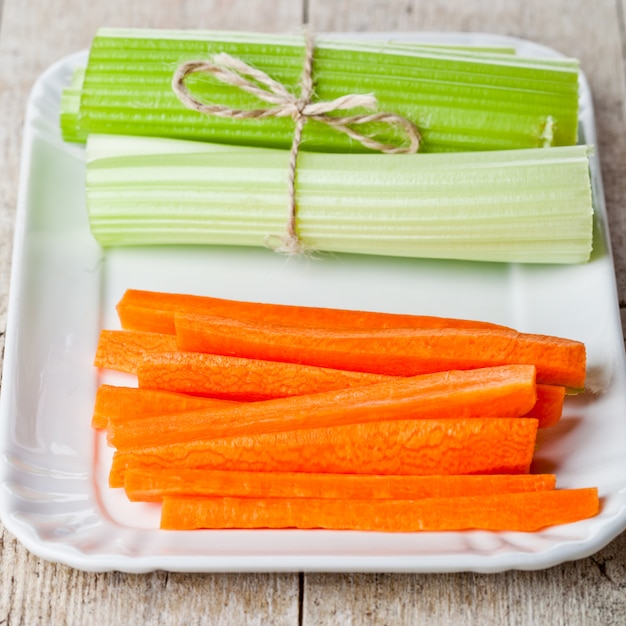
x=70, y=107
x=460, y=99
x=531, y=206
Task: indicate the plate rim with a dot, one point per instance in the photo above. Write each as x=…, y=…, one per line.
x=62, y=553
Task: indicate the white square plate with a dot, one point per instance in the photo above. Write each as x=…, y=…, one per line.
x=53, y=467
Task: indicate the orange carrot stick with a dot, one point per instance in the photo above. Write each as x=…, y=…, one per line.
x=507, y=391
x=122, y=350
x=154, y=312
x=401, y=447
x=151, y=485
x=527, y=512
x=245, y=380
x=218, y=376
x=401, y=352
x=117, y=403
x=120, y=404
x=549, y=406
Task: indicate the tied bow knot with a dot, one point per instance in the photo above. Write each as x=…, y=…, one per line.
x=235, y=72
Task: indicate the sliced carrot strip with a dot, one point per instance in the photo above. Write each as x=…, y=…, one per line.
x=527, y=512
x=549, y=406
x=218, y=376
x=118, y=403
x=401, y=352
x=149, y=485
x=153, y=311
x=507, y=391
x=121, y=404
x=401, y=447
x=234, y=378
x=122, y=350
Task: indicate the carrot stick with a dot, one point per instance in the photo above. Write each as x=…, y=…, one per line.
x=401, y=352
x=118, y=403
x=549, y=406
x=122, y=350
x=527, y=512
x=245, y=380
x=507, y=391
x=154, y=312
x=151, y=485
x=401, y=447
x=218, y=376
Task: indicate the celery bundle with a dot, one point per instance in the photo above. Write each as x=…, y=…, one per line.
x=532, y=205
x=460, y=100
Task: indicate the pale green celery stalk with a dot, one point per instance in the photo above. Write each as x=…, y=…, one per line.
x=460, y=99
x=529, y=206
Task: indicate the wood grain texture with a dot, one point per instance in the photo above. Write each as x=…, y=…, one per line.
x=34, y=33
x=583, y=593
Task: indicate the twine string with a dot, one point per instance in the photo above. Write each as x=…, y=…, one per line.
x=235, y=72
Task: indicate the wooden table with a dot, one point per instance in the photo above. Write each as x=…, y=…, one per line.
x=34, y=34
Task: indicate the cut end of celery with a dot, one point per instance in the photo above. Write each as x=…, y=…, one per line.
x=71, y=130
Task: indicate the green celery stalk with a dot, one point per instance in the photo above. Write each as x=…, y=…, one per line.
x=460, y=99
x=529, y=206
x=70, y=107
